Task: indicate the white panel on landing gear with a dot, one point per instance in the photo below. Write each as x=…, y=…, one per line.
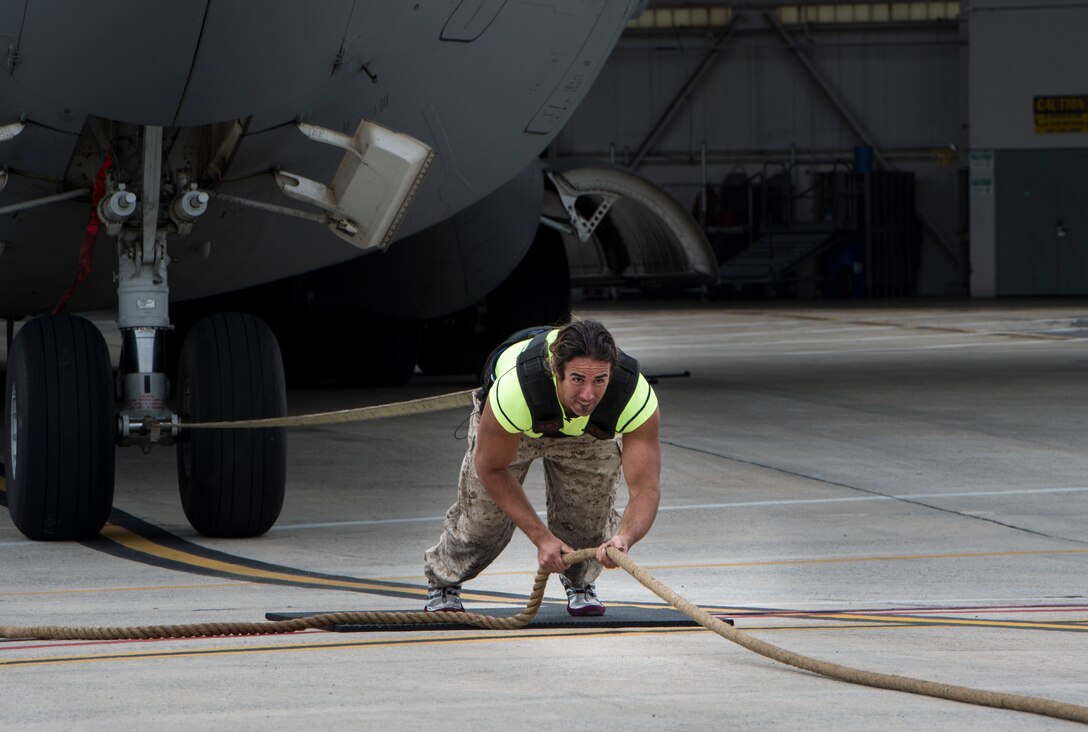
x=373, y=186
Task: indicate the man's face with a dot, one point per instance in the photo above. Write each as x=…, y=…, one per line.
x=582, y=385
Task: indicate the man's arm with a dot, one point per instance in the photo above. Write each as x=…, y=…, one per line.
x=495, y=450
x=642, y=471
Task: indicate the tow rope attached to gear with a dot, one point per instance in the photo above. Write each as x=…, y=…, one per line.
x=967, y=695
x=342, y=416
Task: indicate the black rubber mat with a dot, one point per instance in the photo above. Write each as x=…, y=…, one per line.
x=550, y=616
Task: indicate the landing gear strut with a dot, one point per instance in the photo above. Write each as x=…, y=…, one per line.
x=143, y=312
x=231, y=482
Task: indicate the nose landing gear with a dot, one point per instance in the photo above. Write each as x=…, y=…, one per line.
x=59, y=429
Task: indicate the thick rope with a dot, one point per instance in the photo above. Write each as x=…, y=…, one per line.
x=967, y=695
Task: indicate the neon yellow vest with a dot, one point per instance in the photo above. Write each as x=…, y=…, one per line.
x=511, y=409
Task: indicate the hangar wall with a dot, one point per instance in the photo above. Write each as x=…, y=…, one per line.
x=759, y=111
x=1029, y=137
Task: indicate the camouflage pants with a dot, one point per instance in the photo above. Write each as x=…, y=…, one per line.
x=581, y=475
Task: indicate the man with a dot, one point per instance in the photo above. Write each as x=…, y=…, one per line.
x=570, y=397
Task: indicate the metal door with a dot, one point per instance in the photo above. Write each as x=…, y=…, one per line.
x=1041, y=199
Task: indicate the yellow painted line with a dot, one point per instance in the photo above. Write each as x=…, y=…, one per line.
x=96, y=590
x=137, y=543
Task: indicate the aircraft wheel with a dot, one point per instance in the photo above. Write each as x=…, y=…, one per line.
x=232, y=481
x=59, y=431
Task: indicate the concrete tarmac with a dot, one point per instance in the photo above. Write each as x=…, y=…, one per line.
x=897, y=488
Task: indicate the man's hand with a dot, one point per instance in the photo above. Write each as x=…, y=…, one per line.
x=549, y=553
x=602, y=551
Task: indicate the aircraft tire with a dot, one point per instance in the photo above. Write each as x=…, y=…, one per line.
x=232, y=481
x=59, y=431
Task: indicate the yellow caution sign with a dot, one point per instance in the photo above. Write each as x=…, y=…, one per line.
x=1061, y=114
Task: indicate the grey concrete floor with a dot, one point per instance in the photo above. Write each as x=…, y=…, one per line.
x=899, y=488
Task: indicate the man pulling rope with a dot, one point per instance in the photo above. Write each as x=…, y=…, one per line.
x=571, y=398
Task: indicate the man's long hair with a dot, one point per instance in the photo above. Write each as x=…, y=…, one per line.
x=582, y=339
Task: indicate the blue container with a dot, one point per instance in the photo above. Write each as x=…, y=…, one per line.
x=863, y=158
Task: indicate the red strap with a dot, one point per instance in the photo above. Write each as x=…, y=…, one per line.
x=90, y=235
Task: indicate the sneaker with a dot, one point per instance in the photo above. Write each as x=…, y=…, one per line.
x=582, y=601
x=444, y=600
